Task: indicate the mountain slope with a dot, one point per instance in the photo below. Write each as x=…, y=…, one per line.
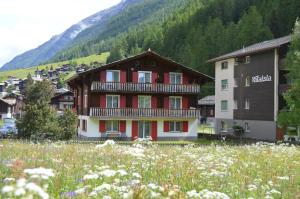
x=47, y=50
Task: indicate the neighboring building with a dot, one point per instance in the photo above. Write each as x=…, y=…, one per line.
x=249, y=84
x=62, y=100
x=16, y=103
x=141, y=96
x=207, y=108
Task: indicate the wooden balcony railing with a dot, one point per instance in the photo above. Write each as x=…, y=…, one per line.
x=133, y=113
x=145, y=87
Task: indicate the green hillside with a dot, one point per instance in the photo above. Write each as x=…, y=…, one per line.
x=22, y=73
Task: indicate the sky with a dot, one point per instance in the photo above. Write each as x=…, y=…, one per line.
x=26, y=24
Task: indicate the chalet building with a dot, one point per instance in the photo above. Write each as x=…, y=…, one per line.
x=11, y=106
x=62, y=100
x=207, y=108
x=249, y=84
x=138, y=97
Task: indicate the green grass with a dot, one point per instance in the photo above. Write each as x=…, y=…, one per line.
x=148, y=171
x=22, y=73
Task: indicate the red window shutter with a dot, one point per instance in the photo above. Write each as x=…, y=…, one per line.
x=154, y=77
x=154, y=130
x=185, y=126
x=135, y=101
x=166, y=126
x=103, y=76
x=102, y=126
x=185, y=79
x=103, y=101
x=123, y=101
x=135, y=77
x=153, y=102
x=134, y=130
x=166, y=102
x=185, y=102
x=123, y=77
x=123, y=126
x=166, y=78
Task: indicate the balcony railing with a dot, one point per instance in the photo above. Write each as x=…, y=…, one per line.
x=145, y=87
x=133, y=113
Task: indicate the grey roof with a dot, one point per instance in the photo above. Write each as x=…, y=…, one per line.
x=208, y=100
x=262, y=46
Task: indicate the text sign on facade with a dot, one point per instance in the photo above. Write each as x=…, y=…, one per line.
x=261, y=78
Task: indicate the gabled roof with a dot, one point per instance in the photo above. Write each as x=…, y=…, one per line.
x=146, y=53
x=10, y=102
x=258, y=47
x=62, y=93
x=208, y=100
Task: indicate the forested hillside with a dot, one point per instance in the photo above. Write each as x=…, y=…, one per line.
x=191, y=31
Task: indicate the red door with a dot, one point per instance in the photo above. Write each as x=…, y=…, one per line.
x=135, y=133
x=154, y=130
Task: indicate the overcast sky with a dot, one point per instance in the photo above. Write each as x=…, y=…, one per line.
x=25, y=24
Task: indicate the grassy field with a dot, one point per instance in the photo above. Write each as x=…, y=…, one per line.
x=109, y=170
x=22, y=73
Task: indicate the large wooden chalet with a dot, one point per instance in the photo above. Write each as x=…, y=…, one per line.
x=142, y=96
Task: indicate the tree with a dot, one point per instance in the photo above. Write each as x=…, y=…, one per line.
x=116, y=54
x=291, y=115
x=38, y=120
x=68, y=125
x=10, y=88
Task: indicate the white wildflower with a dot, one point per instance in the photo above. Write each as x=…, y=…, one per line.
x=36, y=189
x=40, y=171
x=106, y=143
x=7, y=189
x=20, y=192
x=7, y=180
x=91, y=176
x=283, y=177
x=108, y=173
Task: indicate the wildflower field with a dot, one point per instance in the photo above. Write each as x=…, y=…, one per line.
x=148, y=170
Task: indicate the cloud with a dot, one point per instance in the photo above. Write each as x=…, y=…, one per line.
x=26, y=24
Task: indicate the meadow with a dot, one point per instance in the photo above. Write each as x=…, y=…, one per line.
x=23, y=72
x=148, y=170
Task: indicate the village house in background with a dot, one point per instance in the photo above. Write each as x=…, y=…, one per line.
x=142, y=96
x=249, y=87
x=63, y=99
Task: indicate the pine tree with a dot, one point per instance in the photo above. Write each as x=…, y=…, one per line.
x=291, y=115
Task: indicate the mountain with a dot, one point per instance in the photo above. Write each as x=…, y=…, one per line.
x=47, y=50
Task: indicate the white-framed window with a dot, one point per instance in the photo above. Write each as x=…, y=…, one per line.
x=175, y=127
x=224, y=105
x=112, y=126
x=236, y=82
x=247, y=81
x=175, y=102
x=247, y=127
x=224, y=65
x=175, y=78
x=247, y=59
x=235, y=104
x=112, y=76
x=112, y=101
x=247, y=104
x=224, y=126
x=224, y=84
x=145, y=76
x=144, y=101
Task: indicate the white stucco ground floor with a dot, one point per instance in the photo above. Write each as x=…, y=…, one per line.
x=133, y=128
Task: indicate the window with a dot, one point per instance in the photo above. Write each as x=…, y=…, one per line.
x=144, y=101
x=224, y=126
x=224, y=105
x=247, y=128
x=224, y=65
x=175, y=102
x=224, y=84
x=247, y=81
x=113, y=76
x=247, y=104
x=175, y=127
x=235, y=104
x=236, y=82
x=144, y=77
x=175, y=78
x=112, y=101
x=247, y=60
x=84, y=125
x=112, y=126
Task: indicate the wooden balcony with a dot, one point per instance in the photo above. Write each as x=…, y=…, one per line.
x=149, y=113
x=145, y=87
